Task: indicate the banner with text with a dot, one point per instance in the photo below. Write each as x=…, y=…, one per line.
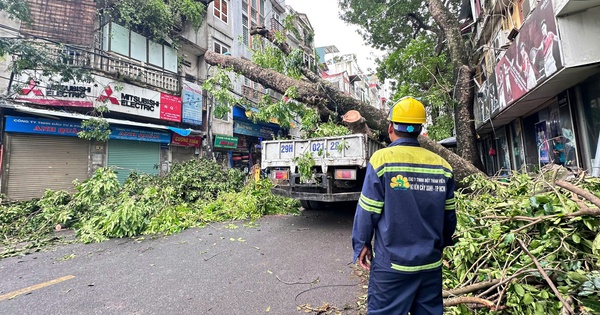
x=117, y=96
x=71, y=128
x=191, y=103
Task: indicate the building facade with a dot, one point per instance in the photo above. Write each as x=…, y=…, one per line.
x=158, y=113
x=538, y=80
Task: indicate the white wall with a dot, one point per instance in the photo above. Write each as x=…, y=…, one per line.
x=579, y=34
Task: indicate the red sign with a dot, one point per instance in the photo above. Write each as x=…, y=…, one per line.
x=170, y=107
x=189, y=141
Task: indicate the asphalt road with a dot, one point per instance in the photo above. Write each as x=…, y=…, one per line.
x=270, y=267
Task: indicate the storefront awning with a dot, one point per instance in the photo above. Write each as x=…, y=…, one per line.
x=52, y=114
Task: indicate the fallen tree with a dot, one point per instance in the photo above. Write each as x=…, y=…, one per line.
x=320, y=93
x=528, y=245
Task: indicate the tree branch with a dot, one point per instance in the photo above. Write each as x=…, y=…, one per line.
x=587, y=195
x=471, y=288
x=545, y=275
x=467, y=300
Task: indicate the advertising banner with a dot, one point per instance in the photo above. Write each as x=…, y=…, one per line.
x=186, y=141
x=117, y=96
x=191, y=102
x=532, y=58
x=541, y=138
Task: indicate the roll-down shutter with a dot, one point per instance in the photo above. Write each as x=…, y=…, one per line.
x=182, y=154
x=40, y=162
x=129, y=156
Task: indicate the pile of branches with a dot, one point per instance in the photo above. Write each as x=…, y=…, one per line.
x=526, y=245
x=192, y=194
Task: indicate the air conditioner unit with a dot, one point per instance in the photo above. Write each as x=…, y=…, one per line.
x=501, y=41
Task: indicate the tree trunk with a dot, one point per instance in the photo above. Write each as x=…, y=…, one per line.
x=314, y=94
x=319, y=94
x=464, y=89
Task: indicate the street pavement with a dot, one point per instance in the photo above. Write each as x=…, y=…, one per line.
x=269, y=267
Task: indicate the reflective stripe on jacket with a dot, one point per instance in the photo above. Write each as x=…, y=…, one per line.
x=407, y=203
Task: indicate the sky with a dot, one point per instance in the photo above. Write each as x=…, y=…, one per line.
x=331, y=30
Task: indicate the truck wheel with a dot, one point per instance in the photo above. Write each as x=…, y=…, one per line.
x=319, y=205
x=305, y=204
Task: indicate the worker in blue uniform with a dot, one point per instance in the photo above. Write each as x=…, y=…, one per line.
x=407, y=206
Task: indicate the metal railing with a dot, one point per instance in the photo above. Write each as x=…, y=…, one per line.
x=115, y=65
x=276, y=26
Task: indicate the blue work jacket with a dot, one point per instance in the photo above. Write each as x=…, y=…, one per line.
x=407, y=203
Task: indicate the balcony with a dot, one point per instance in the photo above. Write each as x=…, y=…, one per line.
x=276, y=26
x=115, y=66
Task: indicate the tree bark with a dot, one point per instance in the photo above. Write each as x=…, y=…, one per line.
x=464, y=89
x=314, y=94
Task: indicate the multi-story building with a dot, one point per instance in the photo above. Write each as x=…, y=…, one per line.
x=135, y=77
x=539, y=80
x=344, y=72
x=158, y=112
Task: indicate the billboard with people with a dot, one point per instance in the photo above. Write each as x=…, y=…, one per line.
x=533, y=56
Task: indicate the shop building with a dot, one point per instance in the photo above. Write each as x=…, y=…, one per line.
x=539, y=77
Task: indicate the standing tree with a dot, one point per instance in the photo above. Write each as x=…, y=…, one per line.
x=396, y=26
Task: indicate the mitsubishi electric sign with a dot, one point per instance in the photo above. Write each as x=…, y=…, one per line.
x=117, y=96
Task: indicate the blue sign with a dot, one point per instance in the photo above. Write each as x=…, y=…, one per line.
x=191, y=100
x=250, y=129
x=138, y=134
x=42, y=126
x=71, y=128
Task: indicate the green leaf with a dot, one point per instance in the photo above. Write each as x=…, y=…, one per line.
x=509, y=238
x=576, y=238
x=593, y=305
x=548, y=209
x=533, y=201
x=527, y=298
x=576, y=276
x=596, y=244
x=519, y=289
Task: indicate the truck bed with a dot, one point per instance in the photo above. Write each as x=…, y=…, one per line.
x=350, y=150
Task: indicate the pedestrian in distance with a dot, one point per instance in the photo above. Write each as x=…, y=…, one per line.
x=407, y=206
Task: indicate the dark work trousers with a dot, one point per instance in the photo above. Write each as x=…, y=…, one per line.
x=395, y=293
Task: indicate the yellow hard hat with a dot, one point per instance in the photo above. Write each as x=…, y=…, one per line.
x=408, y=111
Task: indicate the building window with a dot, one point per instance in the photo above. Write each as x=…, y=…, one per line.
x=220, y=48
x=221, y=10
x=121, y=40
x=253, y=14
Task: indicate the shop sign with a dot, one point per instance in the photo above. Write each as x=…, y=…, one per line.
x=130, y=99
x=226, y=142
x=42, y=126
x=139, y=135
x=56, y=94
x=117, y=96
x=71, y=128
x=191, y=102
x=186, y=141
x=253, y=130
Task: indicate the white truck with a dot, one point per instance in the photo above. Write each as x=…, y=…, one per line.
x=337, y=174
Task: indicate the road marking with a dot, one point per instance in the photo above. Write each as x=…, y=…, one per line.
x=34, y=287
